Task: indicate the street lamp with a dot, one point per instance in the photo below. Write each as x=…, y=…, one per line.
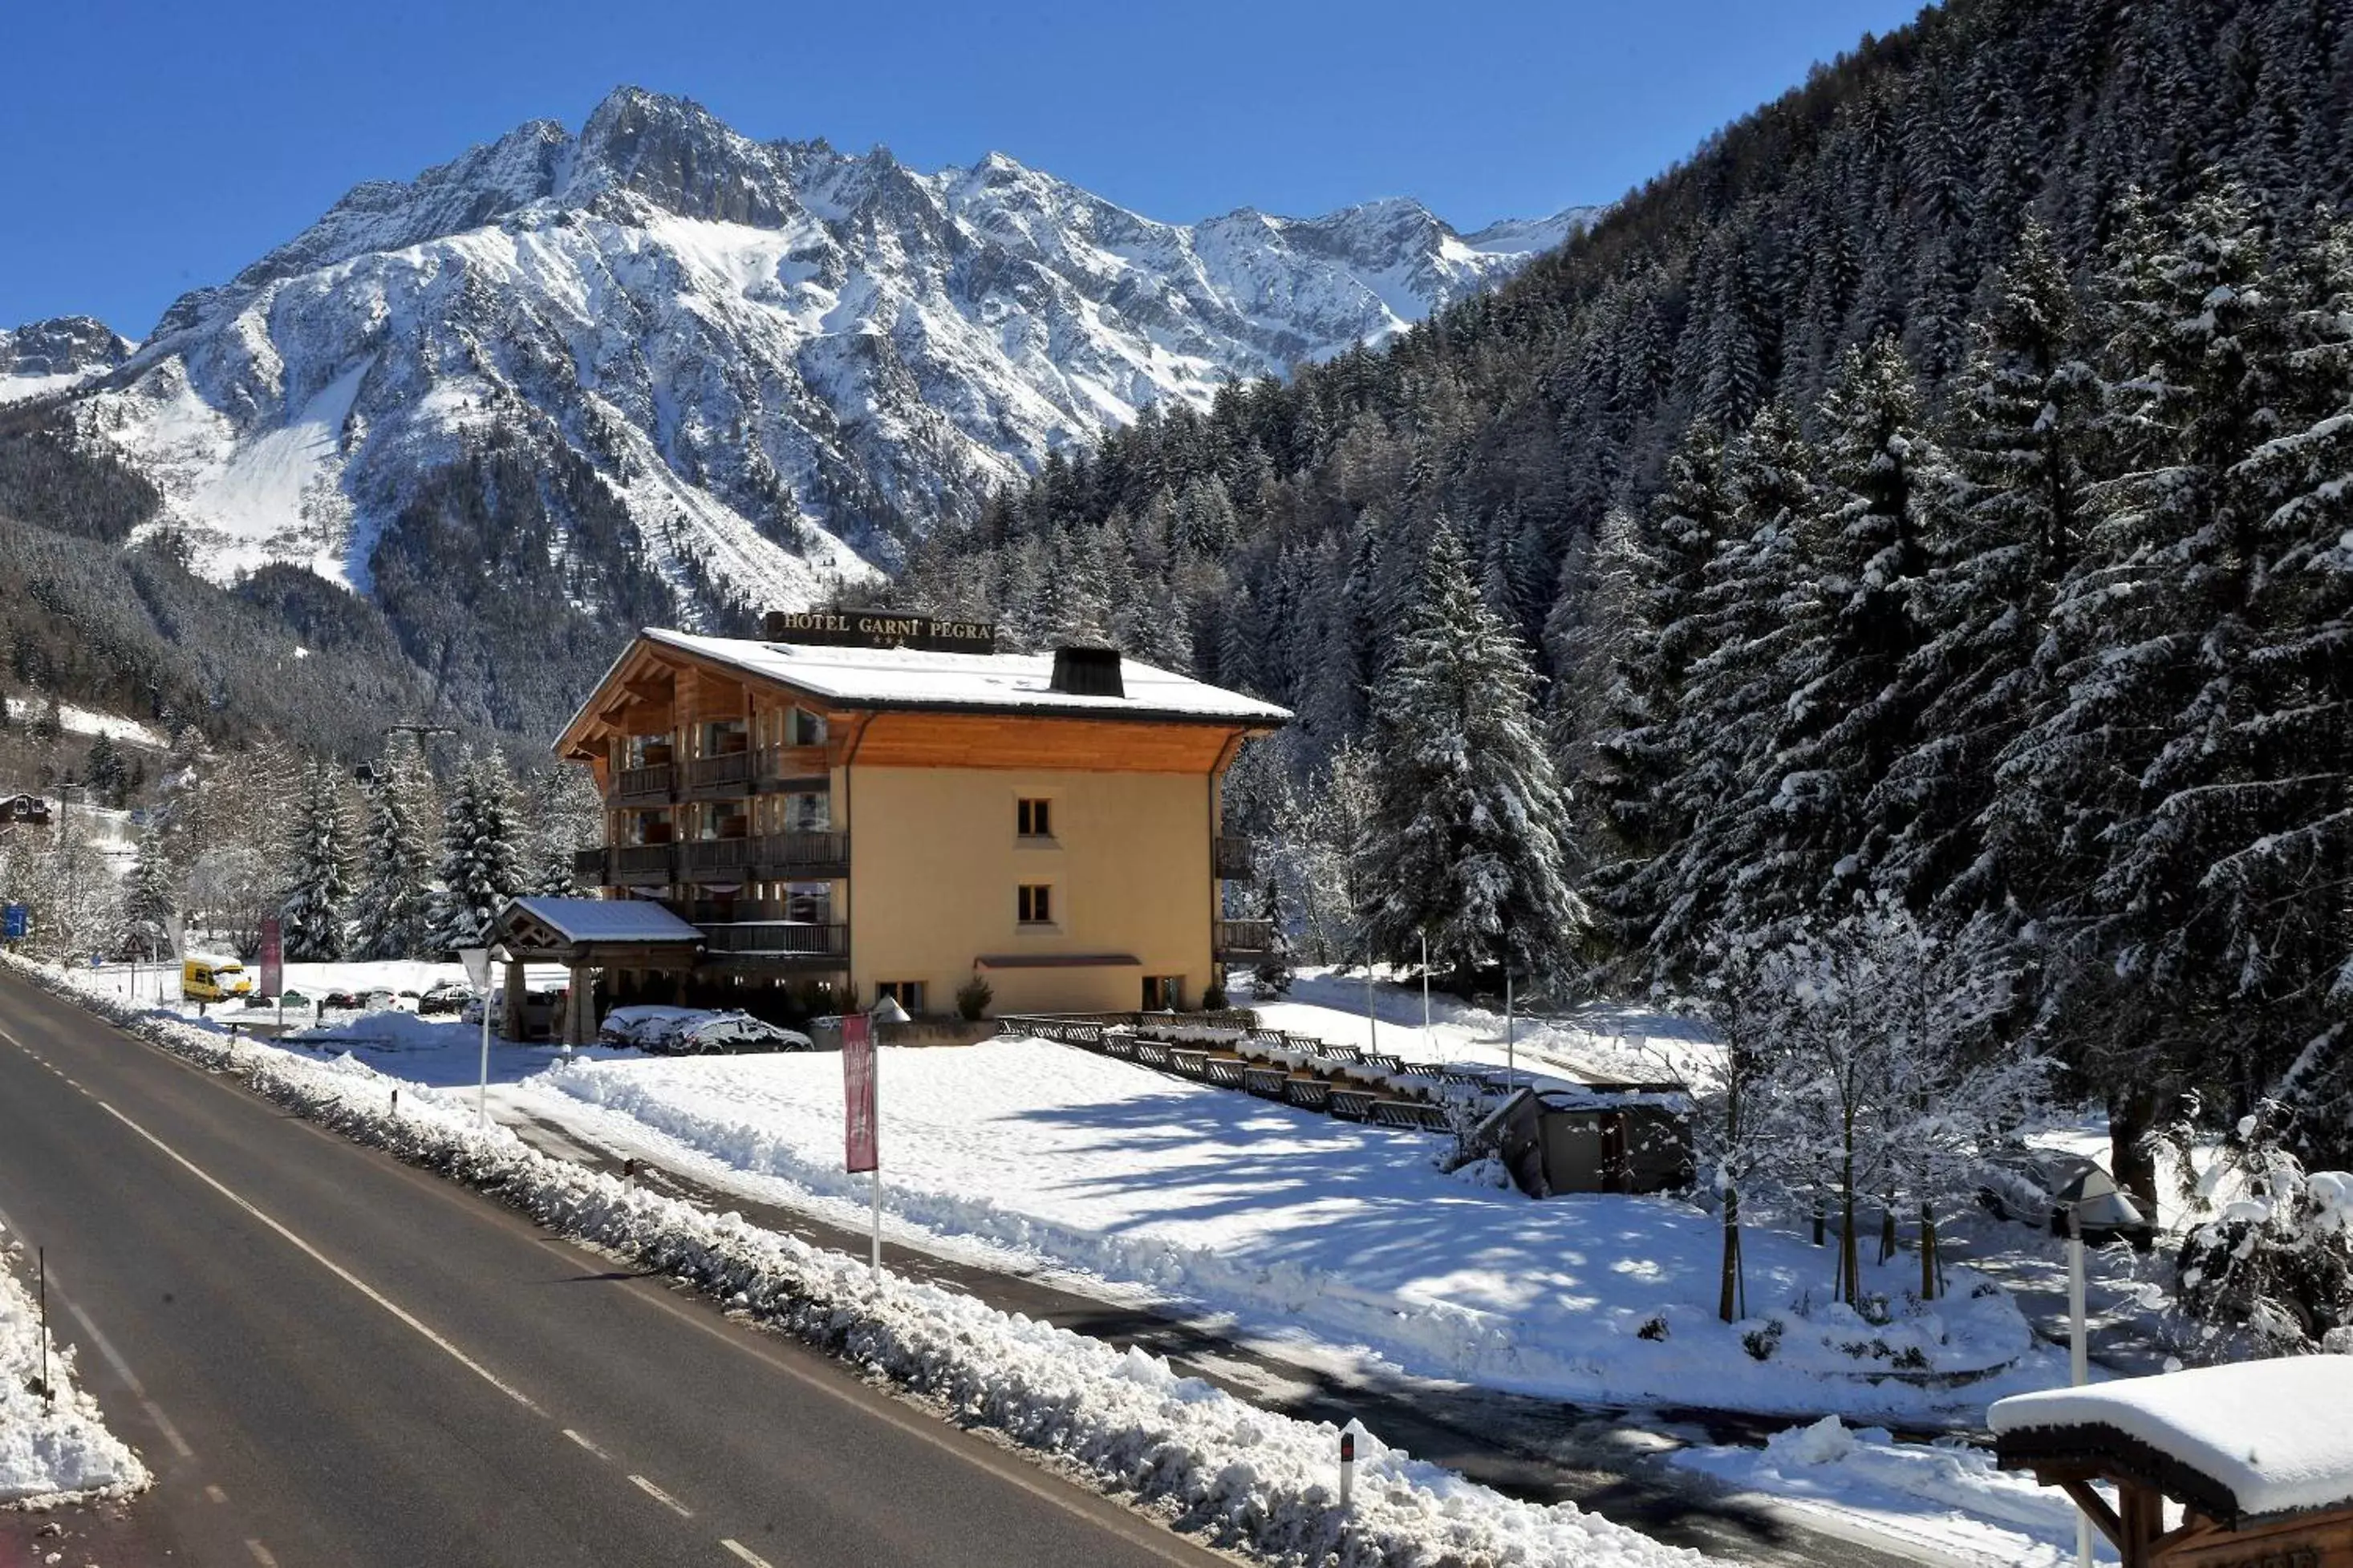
x=2090, y=1197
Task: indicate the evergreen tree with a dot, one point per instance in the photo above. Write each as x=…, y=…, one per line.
x=482, y=865
x=151, y=896
x=313, y=910
x=392, y=910
x=1468, y=809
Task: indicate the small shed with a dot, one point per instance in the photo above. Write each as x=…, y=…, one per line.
x=2258, y=1455
x=1601, y=1138
x=30, y=809
x=586, y=936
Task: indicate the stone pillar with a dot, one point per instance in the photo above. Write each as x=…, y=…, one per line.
x=511, y=1021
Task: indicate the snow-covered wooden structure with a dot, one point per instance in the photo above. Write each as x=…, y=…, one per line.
x=586, y=936
x=2258, y=1457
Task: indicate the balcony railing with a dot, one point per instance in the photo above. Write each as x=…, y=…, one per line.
x=779, y=855
x=590, y=865
x=1244, y=939
x=1234, y=859
x=644, y=784
x=784, y=763
x=731, y=771
x=644, y=862
x=779, y=939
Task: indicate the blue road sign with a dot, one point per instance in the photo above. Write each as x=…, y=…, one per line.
x=15, y=922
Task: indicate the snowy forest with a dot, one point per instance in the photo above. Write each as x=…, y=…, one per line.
x=1932, y=495
x=383, y=862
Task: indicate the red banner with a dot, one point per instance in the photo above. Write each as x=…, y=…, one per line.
x=273, y=957
x=858, y=1092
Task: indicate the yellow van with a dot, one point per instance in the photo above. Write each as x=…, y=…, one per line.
x=214, y=980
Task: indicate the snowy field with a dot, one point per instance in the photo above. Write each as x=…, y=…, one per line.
x=1300, y=1226
x=50, y=1452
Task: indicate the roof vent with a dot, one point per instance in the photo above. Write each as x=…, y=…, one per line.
x=1088, y=672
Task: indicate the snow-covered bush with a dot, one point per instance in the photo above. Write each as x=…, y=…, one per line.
x=2274, y=1267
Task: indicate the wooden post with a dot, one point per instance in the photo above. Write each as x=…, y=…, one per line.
x=510, y=1020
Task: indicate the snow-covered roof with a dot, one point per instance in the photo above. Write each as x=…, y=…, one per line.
x=912, y=678
x=2271, y=1436
x=609, y=919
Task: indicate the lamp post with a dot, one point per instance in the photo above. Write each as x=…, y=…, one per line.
x=2111, y=1209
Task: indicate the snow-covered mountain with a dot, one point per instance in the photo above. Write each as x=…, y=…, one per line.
x=770, y=359
x=50, y=356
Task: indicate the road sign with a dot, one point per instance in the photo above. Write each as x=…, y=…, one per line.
x=858, y=1091
x=274, y=956
x=18, y=922
x=477, y=967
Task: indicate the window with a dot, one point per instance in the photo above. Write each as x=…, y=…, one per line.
x=1034, y=818
x=807, y=813
x=908, y=993
x=806, y=728
x=1163, y=992
x=809, y=904
x=1037, y=904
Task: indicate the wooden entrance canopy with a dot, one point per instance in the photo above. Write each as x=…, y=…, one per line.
x=2259, y=1455
x=586, y=936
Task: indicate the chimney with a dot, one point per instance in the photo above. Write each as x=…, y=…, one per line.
x=1088, y=672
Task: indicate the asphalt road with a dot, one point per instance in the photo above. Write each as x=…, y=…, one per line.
x=330, y=1358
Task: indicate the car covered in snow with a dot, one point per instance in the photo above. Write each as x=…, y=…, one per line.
x=446, y=997
x=346, y=1000
x=697, y=1032
x=2035, y=1187
x=643, y=1025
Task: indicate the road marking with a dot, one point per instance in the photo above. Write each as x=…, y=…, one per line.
x=586, y=1444
x=215, y=1494
x=332, y=1266
x=261, y=1554
x=105, y=1347
x=170, y=1433
x=747, y=1553
x=661, y=1497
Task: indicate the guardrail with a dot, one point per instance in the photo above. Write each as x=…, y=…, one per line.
x=644, y=784
x=1243, y=939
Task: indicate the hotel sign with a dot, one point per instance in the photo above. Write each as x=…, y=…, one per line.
x=880, y=628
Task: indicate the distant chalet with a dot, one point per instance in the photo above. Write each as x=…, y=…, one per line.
x=884, y=804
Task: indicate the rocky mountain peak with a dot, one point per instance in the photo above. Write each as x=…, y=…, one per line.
x=62, y=346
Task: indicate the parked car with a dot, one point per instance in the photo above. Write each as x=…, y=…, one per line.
x=2030, y=1184
x=448, y=996
x=379, y=1000
x=346, y=1000
x=715, y=1034
x=644, y=1027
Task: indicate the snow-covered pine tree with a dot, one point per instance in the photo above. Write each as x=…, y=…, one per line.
x=2003, y=533
x=393, y=909
x=566, y=814
x=1467, y=809
x=2154, y=747
x=315, y=905
x=1735, y=693
x=150, y=894
x=481, y=865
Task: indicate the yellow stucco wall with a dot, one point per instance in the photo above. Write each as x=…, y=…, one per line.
x=936, y=862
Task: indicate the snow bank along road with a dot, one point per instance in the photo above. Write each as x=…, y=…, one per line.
x=328, y=1357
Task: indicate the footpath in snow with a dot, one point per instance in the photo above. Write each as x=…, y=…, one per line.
x=55, y=1450
x=1211, y=1465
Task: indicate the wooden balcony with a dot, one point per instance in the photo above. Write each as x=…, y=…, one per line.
x=644, y=784
x=774, y=857
x=592, y=867
x=636, y=864
x=783, y=765
x=817, y=945
x=1243, y=939
x=1234, y=859
x=731, y=774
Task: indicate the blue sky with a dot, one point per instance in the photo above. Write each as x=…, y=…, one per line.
x=151, y=146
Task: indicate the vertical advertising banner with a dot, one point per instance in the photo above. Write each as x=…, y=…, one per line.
x=858, y=1093
x=273, y=958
